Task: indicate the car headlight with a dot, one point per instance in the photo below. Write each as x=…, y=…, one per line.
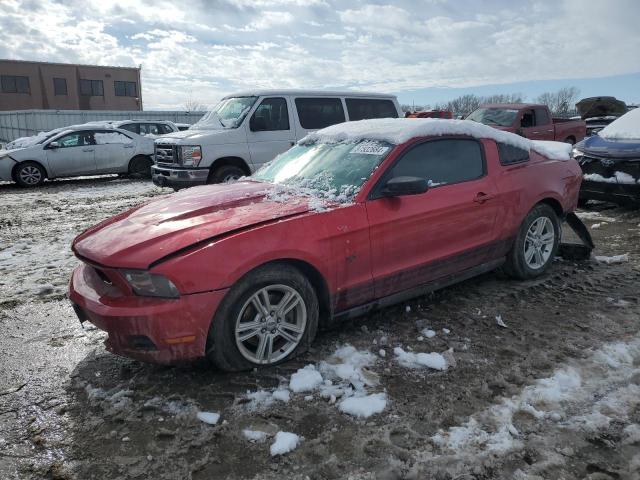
x=147, y=284
x=576, y=152
x=191, y=155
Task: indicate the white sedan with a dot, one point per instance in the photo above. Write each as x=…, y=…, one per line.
x=75, y=151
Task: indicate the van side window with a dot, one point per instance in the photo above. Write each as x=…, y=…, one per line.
x=362, y=108
x=542, y=116
x=319, y=112
x=132, y=127
x=510, y=154
x=442, y=161
x=272, y=114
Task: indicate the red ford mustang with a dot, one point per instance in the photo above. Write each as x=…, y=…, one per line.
x=355, y=217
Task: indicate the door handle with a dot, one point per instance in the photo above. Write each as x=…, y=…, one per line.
x=87, y=149
x=535, y=132
x=482, y=197
x=128, y=146
x=292, y=143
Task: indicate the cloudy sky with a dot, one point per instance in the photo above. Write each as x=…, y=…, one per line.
x=423, y=50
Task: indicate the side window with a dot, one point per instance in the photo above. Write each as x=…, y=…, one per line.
x=542, y=116
x=131, y=127
x=76, y=139
x=110, y=138
x=149, y=128
x=319, y=112
x=528, y=120
x=510, y=154
x=163, y=128
x=362, y=108
x=272, y=114
x=441, y=161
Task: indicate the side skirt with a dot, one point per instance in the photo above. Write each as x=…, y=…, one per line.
x=418, y=291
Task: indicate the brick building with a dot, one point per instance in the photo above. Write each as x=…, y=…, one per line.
x=60, y=86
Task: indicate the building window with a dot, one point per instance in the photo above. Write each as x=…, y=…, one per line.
x=126, y=89
x=91, y=88
x=14, y=84
x=60, y=86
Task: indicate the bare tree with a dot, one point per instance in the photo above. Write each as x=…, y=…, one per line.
x=561, y=102
x=192, y=105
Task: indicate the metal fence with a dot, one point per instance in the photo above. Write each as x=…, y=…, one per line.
x=24, y=123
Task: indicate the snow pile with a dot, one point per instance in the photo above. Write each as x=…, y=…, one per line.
x=285, y=443
x=262, y=399
x=566, y=396
x=427, y=332
x=364, y=406
x=111, y=401
x=306, y=379
x=618, y=177
x=614, y=259
x=435, y=361
x=319, y=190
x=627, y=127
x=208, y=417
x=254, y=435
x=400, y=130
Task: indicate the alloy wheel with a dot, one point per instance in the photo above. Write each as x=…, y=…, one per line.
x=539, y=242
x=30, y=175
x=271, y=324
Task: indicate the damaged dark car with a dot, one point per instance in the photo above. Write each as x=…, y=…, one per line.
x=610, y=162
x=598, y=112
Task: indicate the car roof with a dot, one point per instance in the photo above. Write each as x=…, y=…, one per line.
x=511, y=106
x=310, y=93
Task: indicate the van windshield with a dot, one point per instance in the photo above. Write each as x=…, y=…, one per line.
x=229, y=113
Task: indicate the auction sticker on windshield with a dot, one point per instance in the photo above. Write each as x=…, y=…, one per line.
x=369, y=148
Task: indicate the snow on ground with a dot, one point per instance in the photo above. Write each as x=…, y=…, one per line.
x=563, y=401
x=432, y=360
x=208, y=417
x=596, y=216
x=364, y=406
x=285, y=443
x=306, y=379
x=254, y=435
x=612, y=259
x=40, y=262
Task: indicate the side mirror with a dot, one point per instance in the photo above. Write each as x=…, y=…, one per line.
x=399, y=186
x=257, y=124
x=54, y=145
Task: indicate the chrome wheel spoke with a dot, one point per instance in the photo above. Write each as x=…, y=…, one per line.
x=528, y=254
x=287, y=336
x=262, y=348
x=245, y=331
x=288, y=303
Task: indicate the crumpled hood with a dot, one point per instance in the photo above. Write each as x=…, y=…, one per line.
x=602, y=147
x=143, y=235
x=601, y=107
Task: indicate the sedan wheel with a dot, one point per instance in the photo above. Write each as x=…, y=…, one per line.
x=539, y=243
x=29, y=175
x=271, y=324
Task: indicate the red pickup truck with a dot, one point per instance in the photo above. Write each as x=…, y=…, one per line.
x=530, y=120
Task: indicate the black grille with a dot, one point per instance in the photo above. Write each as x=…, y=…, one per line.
x=167, y=154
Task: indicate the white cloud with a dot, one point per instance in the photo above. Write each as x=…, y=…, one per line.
x=207, y=49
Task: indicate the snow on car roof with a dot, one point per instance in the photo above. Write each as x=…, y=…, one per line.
x=627, y=127
x=401, y=130
x=309, y=93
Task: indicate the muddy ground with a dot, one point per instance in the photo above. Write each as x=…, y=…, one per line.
x=69, y=410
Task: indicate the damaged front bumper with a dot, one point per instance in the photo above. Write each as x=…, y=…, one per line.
x=6, y=168
x=607, y=179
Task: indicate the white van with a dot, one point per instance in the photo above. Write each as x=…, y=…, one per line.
x=247, y=129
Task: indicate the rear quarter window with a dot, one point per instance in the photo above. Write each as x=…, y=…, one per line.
x=316, y=113
x=362, y=108
x=510, y=154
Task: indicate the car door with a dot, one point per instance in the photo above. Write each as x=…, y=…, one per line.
x=113, y=151
x=420, y=238
x=72, y=154
x=536, y=124
x=269, y=130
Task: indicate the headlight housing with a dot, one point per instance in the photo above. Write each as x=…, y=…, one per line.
x=147, y=284
x=576, y=152
x=191, y=155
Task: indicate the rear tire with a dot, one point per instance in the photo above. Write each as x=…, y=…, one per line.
x=29, y=174
x=536, y=244
x=286, y=333
x=140, y=167
x=225, y=174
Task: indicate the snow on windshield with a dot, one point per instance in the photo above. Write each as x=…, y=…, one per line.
x=229, y=113
x=400, y=130
x=627, y=127
x=503, y=117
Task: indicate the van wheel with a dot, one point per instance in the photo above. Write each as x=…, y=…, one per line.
x=140, y=167
x=536, y=244
x=29, y=174
x=268, y=317
x=225, y=174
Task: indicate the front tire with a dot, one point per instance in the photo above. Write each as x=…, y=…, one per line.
x=225, y=174
x=29, y=174
x=268, y=317
x=140, y=167
x=536, y=244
